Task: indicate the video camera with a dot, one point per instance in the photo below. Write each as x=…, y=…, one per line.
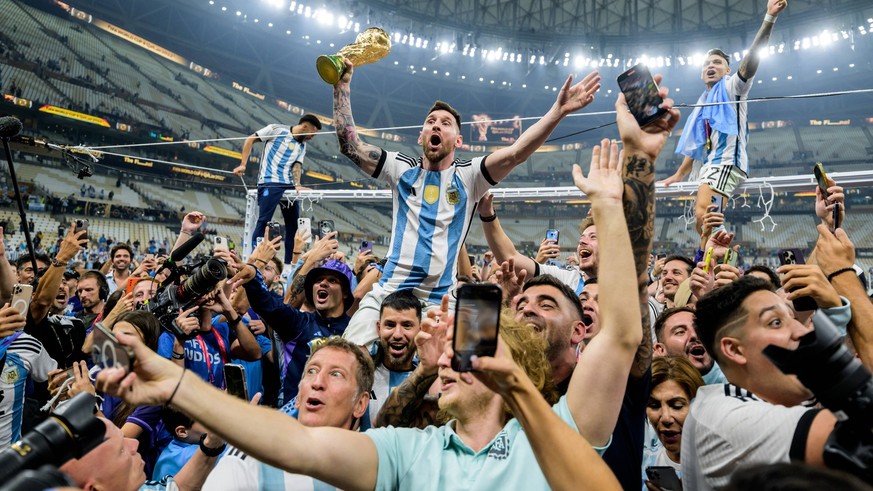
x=843, y=385
x=175, y=293
x=70, y=432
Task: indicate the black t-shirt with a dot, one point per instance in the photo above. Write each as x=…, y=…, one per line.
x=62, y=337
x=625, y=454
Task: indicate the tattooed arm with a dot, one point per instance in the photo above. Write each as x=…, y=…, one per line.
x=749, y=65
x=408, y=406
x=364, y=155
x=641, y=148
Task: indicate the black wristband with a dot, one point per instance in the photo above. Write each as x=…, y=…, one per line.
x=839, y=272
x=489, y=218
x=233, y=322
x=211, y=452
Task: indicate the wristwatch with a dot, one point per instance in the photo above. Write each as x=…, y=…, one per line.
x=211, y=452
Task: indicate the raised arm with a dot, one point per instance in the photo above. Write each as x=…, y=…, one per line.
x=749, y=65
x=268, y=435
x=190, y=224
x=571, y=98
x=246, y=152
x=501, y=245
x=625, y=228
x=7, y=273
x=364, y=155
x=683, y=170
x=47, y=289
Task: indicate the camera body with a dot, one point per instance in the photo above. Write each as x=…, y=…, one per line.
x=201, y=279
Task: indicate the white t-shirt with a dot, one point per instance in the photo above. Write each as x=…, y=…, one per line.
x=728, y=428
x=237, y=471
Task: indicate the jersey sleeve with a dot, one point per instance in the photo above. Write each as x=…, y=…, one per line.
x=737, y=87
x=35, y=357
x=476, y=178
x=266, y=132
x=236, y=471
x=738, y=431
x=567, y=277
x=392, y=165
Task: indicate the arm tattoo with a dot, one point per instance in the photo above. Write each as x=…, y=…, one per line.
x=345, y=124
x=749, y=65
x=406, y=406
x=639, y=210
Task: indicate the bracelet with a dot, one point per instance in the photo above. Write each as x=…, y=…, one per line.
x=770, y=19
x=259, y=259
x=210, y=452
x=489, y=218
x=297, y=252
x=184, y=232
x=839, y=272
x=57, y=263
x=178, y=356
x=166, y=404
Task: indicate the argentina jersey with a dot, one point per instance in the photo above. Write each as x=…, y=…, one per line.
x=384, y=383
x=281, y=150
x=732, y=149
x=25, y=357
x=432, y=214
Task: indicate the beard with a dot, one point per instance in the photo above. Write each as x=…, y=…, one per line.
x=395, y=362
x=435, y=155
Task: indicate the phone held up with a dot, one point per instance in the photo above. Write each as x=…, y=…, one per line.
x=325, y=227
x=794, y=256
x=108, y=352
x=477, y=321
x=21, y=296
x=304, y=229
x=552, y=234
x=366, y=246
x=235, y=380
x=821, y=178
x=641, y=93
x=82, y=224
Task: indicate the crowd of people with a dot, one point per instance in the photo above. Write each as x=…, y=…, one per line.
x=622, y=371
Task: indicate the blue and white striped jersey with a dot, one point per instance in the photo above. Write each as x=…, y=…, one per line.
x=281, y=150
x=732, y=149
x=25, y=357
x=432, y=214
x=384, y=383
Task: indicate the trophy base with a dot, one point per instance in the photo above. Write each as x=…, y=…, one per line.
x=330, y=68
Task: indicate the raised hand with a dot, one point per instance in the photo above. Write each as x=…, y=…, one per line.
x=651, y=138
x=604, y=181
x=824, y=206
x=572, y=98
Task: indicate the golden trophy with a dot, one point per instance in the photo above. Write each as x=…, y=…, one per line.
x=370, y=46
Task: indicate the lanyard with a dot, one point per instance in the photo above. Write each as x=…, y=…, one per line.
x=208, y=359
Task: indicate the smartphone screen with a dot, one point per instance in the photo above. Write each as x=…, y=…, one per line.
x=21, y=296
x=553, y=235
x=477, y=320
x=641, y=93
x=108, y=353
x=838, y=216
x=235, y=380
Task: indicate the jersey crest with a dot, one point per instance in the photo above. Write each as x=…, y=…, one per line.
x=431, y=194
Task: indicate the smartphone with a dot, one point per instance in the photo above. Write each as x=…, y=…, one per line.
x=131, y=284
x=552, y=234
x=706, y=260
x=325, y=227
x=718, y=202
x=235, y=380
x=276, y=230
x=794, y=256
x=472, y=259
x=477, y=321
x=82, y=224
x=838, y=216
x=641, y=93
x=21, y=296
x=731, y=258
x=108, y=353
x=664, y=477
x=304, y=229
x=366, y=246
x=149, y=257
x=821, y=178
x=219, y=243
